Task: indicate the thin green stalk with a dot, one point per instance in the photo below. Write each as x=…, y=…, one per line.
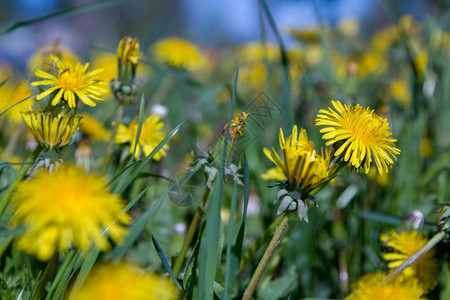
x=266, y=256
x=116, y=123
x=12, y=186
x=413, y=258
x=190, y=233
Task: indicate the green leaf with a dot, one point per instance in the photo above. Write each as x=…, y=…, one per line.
x=228, y=259
x=23, y=100
x=209, y=251
x=131, y=174
x=163, y=258
x=64, y=12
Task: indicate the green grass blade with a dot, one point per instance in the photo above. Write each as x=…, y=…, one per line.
x=209, y=251
x=230, y=241
x=140, y=122
x=132, y=174
x=288, y=117
x=86, y=266
x=163, y=258
x=62, y=278
x=237, y=249
x=23, y=100
x=63, y=12
x=4, y=81
x=137, y=228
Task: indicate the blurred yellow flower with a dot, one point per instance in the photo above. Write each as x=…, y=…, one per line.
x=349, y=28
x=43, y=57
x=10, y=94
x=124, y=281
x=303, y=167
x=373, y=64
x=150, y=136
x=93, y=128
x=255, y=52
x=358, y=133
x=51, y=131
x=64, y=209
x=73, y=82
x=383, y=180
x=372, y=286
x=108, y=63
x=310, y=35
x=383, y=39
x=179, y=53
x=420, y=61
x=400, y=92
x=426, y=147
x=253, y=75
x=313, y=55
x=404, y=245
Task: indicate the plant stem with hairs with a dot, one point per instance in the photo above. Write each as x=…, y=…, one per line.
x=265, y=258
x=413, y=258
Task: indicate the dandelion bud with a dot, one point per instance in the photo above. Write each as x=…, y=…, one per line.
x=128, y=51
x=52, y=132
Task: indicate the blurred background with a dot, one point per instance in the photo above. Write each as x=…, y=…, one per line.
x=207, y=23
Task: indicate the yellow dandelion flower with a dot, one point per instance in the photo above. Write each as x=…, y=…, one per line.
x=108, y=63
x=253, y=75
x=124, y=281
x=311, y=35
x=372, y=286
x=11, y=94
x=421, y=61
x=426, y=147
x=400, y=92
x=404, y=245
x=43, y=57
x=372, y=63
x=274, y=174
x=358, y=133
x=303, y=167
x=179, y=53
x=128, y=51
x=51, y=131
x=313, y=55
x=73, y=82
x=150, y=136
x=349, y=27
x=64, y=209
x=93, y=128
x=237, y=125
x=256, y=52
x=383, y=39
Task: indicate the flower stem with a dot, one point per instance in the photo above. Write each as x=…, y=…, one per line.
x=265, y=258
x=190, y=233
x=116, y=123
x=427, y=247
x=22, y=171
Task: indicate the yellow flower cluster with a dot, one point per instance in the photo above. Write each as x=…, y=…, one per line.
x=67, y=208
x=301, y=165
x=124, y=281
x=357, y=133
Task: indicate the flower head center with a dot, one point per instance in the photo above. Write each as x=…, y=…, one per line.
x=70, y=80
